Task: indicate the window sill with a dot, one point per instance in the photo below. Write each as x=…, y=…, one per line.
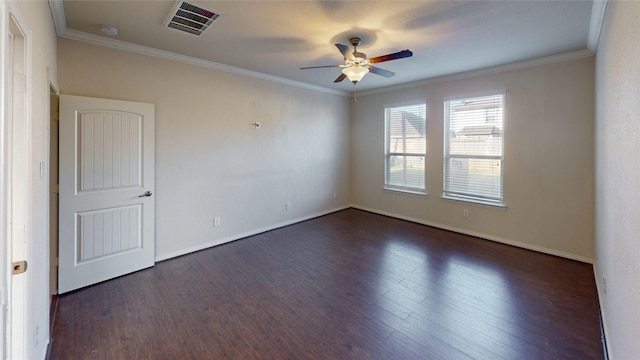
x=405, y=191
x=499, y=206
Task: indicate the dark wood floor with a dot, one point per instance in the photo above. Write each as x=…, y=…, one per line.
x=350, y=285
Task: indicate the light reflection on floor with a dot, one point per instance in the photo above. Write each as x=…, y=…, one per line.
x=471, y=299
x=399, y=294
x=479, y=301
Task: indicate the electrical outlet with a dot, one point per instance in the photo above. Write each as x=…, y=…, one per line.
x=465, y=213
x=287, y=206
x=335, y=196
x=217, y=221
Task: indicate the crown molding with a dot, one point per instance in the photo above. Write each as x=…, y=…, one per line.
x=598, y=11
x=597, y=19
x=59, y=19
x=60, y=22
x=574, y=55
x=167, y=55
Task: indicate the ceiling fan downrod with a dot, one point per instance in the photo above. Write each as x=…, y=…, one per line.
x=355, y=42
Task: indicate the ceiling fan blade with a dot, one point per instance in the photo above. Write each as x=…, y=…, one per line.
x=381, y=72
x=340, y=78
x=346, y=52
x=398, y=55
x=319, y=67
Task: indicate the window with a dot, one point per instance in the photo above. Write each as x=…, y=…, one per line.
x=405, y=147
x=473, y=153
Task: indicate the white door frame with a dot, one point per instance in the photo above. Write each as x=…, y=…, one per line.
x=14, y=174
x=4, y=267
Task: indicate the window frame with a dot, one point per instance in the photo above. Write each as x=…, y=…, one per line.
x=388, y=154
x=470, y=196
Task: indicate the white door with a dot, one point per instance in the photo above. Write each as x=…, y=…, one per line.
x=106, y=226
x=18, y=194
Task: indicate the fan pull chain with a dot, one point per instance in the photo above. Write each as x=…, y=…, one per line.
x=355, y=94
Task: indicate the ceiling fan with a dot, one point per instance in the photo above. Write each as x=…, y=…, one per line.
x=356, y=65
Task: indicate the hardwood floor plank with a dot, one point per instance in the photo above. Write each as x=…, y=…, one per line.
x=349, y=285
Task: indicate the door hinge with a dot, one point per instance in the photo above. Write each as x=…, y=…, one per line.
x=19, y=267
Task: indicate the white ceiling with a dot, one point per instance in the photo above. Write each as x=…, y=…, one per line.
x=276, y=38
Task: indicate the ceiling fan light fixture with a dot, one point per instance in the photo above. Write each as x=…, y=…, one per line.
x=356, y=65
x=355, y=73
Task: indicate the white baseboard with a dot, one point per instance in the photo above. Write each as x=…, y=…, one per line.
x=519, y=244
x=480, y=235
x=231, y=238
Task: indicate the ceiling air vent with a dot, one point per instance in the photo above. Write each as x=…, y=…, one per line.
x=191, y=18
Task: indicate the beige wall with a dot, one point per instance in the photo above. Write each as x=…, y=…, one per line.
x=548, y=164
x=618, y=177
x=35, y=18
x=210, y=159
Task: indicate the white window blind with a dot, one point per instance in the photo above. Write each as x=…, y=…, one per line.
x=473, y=137
x=405, y=147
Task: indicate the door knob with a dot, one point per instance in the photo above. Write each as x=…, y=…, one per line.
x=146, y=194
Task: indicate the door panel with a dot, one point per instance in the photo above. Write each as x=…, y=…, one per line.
x=110, y=144
x=108, y=231
x=106, y=167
